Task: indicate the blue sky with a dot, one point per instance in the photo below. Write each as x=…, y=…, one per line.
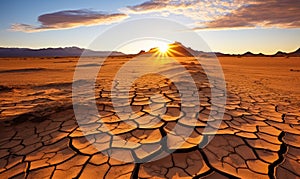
x=229, y=26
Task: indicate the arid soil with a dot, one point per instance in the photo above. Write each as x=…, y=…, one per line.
x=258, y=137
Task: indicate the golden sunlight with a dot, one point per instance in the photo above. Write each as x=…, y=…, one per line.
x=163, y=48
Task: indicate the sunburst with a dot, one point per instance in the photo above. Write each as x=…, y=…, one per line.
x=167, y=50
x=163, y=48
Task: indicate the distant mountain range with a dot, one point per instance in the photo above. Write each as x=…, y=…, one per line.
x=178, y=49
x=54, y=52
x=175, y=49
x=278, y=54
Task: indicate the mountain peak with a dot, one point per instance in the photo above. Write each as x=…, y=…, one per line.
x=174, y=49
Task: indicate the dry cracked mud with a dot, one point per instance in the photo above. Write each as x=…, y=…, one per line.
x=257, y=138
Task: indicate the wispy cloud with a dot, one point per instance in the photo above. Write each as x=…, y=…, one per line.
x=271, y=13
x=205, y=14
x=70, y=19
x=227, y=14
x=199, y=10
x=157, y=5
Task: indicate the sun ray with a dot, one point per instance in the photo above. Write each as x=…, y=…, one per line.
x=163, y=48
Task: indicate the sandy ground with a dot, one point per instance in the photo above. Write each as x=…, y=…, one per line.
x=258, y=136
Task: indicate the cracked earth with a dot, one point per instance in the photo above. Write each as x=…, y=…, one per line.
x=258, y=136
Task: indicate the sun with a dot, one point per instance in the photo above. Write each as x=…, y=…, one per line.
x=163, y=48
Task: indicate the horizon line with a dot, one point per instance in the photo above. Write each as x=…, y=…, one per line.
x=83, y=48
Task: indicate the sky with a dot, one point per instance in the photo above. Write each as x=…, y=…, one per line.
x=228, y=26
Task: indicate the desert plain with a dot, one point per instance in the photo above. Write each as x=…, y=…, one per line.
x=258, y=137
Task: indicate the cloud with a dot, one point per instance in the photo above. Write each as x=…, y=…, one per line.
x=227, y=14
x=70, y=19
x=271, y=13
x=156, y=5
x=200, y=10
x=204, y=14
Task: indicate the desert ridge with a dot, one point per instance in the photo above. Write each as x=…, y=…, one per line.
x=175, y=49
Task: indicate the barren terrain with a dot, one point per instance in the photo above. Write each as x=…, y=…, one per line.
x=259, y=136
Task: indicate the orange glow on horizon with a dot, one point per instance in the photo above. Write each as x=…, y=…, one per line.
x=163, y=48
x=167, y=50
